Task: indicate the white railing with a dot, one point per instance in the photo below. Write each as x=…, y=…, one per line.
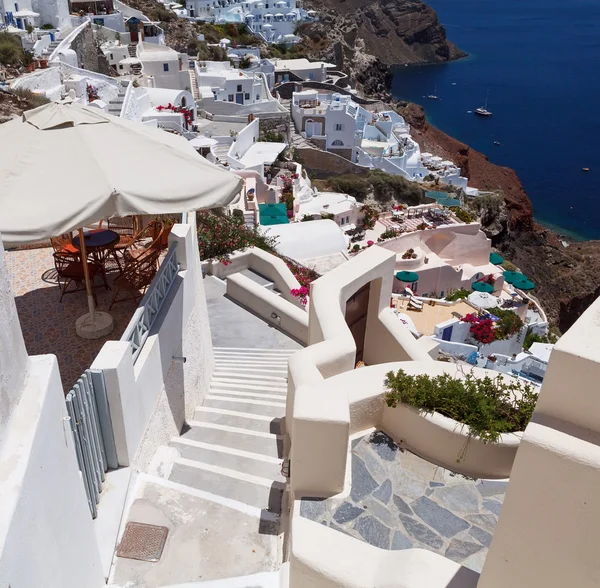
x=140, y=324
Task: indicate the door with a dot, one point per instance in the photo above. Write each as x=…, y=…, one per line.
x=239, y=98
x=447, y=334
x=356, y=318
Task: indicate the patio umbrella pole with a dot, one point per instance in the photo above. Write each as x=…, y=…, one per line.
x=95, y=324
x=86, y=274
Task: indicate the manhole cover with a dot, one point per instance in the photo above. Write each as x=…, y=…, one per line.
x=143, y=542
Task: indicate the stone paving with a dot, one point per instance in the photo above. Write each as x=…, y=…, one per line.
x=399, y=501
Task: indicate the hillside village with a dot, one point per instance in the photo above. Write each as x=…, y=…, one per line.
x=306, y=193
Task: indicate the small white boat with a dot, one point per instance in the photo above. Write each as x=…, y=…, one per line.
x=483, y=110
x=434, y=95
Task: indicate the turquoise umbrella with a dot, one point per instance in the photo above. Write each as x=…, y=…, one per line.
x=525, y=284
x=512, y=277
x=408, y=277
x=495, y=258
x=482, y=287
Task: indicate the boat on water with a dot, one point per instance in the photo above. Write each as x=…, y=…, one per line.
x=496, y=142
x=483, y=110
x=434, y=95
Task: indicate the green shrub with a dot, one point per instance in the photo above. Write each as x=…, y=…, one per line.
x=509, y=323
x=532, y=338
x=356, y=186
x=509, y=266
x=11, y=50
x=462, y=214
x=306, y=218
x=459, y=294
x=270, y=136
x=34, y=100
x=386, y=187
x=489, y=407
x=327, y=216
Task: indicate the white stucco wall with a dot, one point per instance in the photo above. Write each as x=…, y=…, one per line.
x=13, y=356
x=46, y=533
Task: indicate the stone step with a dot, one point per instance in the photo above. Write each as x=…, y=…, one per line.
x=252, y=490
x=251, y=405
x=251, y=375
x=254, y=350
x=236, y=418
x=239, y=386
x=234, y=437
x=239, y=461
x=241, y=396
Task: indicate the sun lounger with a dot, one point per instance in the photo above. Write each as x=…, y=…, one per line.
x=412, y=306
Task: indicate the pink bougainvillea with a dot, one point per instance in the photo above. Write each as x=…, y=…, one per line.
x=301, y=293
x=369, y=243
x=482, y=329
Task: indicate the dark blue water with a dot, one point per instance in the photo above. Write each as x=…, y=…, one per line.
x=540, y=60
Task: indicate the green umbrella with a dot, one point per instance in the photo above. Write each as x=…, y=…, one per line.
x=524, y=284
x=407, y=277
x=495, y=258
x=512, y=277
x=482, y=287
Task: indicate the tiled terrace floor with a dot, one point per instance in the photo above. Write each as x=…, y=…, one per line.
x=398, y=501
x=49, y=325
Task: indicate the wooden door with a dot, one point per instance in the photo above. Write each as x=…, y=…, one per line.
x=357, y=309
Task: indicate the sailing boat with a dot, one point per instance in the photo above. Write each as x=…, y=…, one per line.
x=434, y=95
x=482, y=110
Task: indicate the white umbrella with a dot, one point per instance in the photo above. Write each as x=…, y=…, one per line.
x=70, y=165
x=483, y=300
x=202, y=141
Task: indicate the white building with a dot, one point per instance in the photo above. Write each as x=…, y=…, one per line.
x=274, y=21
x=226, y=90
x=377, y=140
x=164, y=67
x=344, y=208
x=289, y=70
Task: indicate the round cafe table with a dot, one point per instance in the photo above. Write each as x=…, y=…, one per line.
x=97, y=240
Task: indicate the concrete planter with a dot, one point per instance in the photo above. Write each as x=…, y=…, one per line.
x=446, y=442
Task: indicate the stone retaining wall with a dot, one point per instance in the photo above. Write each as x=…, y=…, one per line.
x=325, y=164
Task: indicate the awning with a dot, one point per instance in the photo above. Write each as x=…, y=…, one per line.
x=408, y=277
x=482, y=287
x=495, y=258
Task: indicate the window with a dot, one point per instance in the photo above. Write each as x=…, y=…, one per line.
x=247, y=96
x=311, y=75
x=239, y=87
x=111, y=57
x=339, y=127
x=16, y=7
x=230, y=98
x=258, y=97
x=120, y=67
x=165, y=67
x=342, y=221
x=337, y=143
x=347, y=219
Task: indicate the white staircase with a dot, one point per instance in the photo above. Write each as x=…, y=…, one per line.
x=194, y=85
x=115, y=106
x=233, y=448
x=220, y=151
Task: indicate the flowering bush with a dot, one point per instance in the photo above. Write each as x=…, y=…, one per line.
x=422, y=227
x=300, y=293
x=92, y=93
x=409, y=254
x=370, y=215
x=482, y=329
x=488, y=280
x=188, y=113
x=369, y=243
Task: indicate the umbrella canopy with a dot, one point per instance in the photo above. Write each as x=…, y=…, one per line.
x=71, y=165
x=408, y=277
x=524, y=284
x=511, y=277
x=496, y=259
x=482, y=299
x=482, y=287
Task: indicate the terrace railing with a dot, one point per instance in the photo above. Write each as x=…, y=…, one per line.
x=91, y=426
x=139, y=326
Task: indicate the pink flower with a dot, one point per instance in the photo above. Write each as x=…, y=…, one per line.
x=369, y=243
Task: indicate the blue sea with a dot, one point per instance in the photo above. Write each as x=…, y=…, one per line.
x=540, y=62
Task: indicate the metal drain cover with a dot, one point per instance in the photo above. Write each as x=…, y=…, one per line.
x=143, y=542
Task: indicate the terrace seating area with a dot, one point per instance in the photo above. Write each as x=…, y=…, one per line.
x=49, y=288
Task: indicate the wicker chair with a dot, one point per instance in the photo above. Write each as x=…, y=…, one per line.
x=147, y=241
x=136, y=276
x=70, y=270
x=63, y=244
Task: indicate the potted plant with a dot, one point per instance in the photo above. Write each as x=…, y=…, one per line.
x=167, y=222
x=28, y=61
x=250, y=196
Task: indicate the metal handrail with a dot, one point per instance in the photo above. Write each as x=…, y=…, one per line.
x=143, y=319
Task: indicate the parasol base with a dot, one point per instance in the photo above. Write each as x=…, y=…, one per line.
x=99, y=326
